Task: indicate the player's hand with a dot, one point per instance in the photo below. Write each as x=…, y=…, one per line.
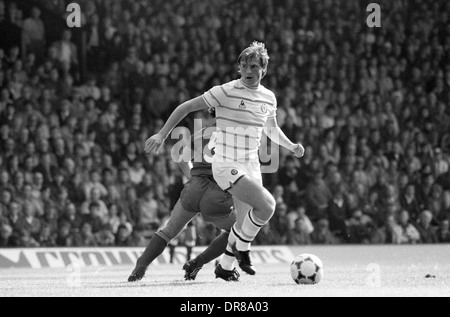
x=154, y=143
x=298, y=150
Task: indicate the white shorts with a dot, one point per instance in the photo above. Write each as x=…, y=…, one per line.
x=228, y=173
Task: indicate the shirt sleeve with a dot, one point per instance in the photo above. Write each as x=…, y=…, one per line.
x=273, y=109
x=211, y=97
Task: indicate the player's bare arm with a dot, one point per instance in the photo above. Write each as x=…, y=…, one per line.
x=274, y=132
x=154, y=143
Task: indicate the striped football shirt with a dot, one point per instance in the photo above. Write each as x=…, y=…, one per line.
x=241, y=114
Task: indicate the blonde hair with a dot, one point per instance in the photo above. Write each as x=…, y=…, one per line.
x=256, y=50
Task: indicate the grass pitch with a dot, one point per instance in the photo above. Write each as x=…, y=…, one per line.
x=349, y=271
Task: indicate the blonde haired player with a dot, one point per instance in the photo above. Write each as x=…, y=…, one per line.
x=244, y=109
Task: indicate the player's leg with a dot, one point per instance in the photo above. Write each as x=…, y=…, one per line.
x=250, y=192
x=216, y=208
x=179, y=218
x=172, y=246
x=228, y=259
x=214, y=250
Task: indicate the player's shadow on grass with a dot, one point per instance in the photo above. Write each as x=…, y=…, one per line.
x=148, y=283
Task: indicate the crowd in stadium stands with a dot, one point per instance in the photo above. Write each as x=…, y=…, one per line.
x=370, y=105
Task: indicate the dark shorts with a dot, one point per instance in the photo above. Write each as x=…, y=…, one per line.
x=202, y=195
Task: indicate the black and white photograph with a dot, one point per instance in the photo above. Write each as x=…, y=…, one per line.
x=225, y=154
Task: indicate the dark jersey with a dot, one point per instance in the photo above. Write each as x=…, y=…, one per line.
x=203, y=142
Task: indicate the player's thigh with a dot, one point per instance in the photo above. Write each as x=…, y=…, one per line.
x=179, y=218
x=224, y=223
x=192, y=193
x=250, y=191
x=215, y=203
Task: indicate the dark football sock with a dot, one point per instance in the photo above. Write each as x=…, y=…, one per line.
x=215, y=249
x=155, y=247
x=172, y=253
x=188, y=253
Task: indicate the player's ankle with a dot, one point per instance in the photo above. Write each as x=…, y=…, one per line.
x=242, y=246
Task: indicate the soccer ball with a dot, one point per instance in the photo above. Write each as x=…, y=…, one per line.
x=306, y=269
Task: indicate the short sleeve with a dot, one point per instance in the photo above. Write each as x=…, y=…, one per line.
x=273, y=108
x=211, y=97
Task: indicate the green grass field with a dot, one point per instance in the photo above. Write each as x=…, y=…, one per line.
x=356, y=271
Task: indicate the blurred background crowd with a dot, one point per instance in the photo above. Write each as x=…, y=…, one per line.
x=370, y=105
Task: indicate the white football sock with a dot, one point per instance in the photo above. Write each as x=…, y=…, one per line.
x=228, y=259
x=250, y=228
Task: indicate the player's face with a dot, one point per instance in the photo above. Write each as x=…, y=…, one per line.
x=251, y=72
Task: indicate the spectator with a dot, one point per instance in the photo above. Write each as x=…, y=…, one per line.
x=395, y=232
x=108, y=180
x=137, y=171
x=282, y=222
x=28, y=224
x=28, y=197
x=50, y=218
x=268, y=236
x=123, y=181
x=301, y=234
x=278, y=193
x=14, y=215
x=409, y=201
x=95, y=197
x=5, y=197
x=162, y=200
x=318, y=196
x=26, y=240
x=47, y=237
x=123, y=237
x=18, y=183
x=61, y=199
x=130, y=205
x=409, y=233
x=436, y=203
x=105, y=237
x=86, y=238
x=322, y=233
x=426, y=230
x=124, y=221
x=70, y=216
x=440, y=164
x=64, y=237
x=337, y=213
x=94, y=181
x=444, y=232
x=6, y=236
x=95, y=44
x=358, y=229
x=148, y=212
x=34, y=33
x=47, y=168
x=426, y=188
x=67, y=53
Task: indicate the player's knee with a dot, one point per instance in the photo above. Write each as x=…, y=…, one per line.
x=271, y=205
x=267, y=207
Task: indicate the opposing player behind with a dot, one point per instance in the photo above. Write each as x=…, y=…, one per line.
x=200, y=195
x=244, y=108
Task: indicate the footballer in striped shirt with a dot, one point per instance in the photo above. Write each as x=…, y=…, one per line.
x=244, y=109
